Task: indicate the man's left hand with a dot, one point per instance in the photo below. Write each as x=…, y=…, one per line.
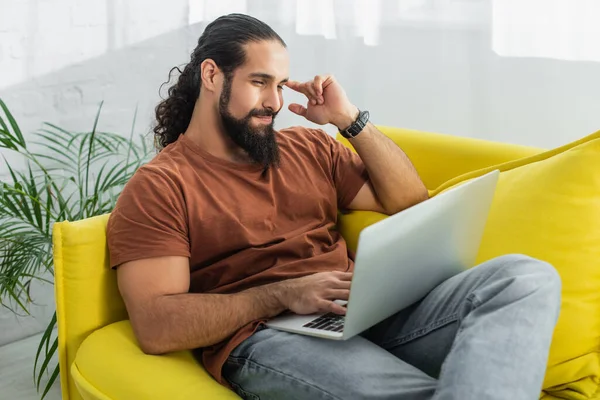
x=327, y=102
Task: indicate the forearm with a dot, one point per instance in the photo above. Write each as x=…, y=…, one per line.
x=392, y=174
x=188, y=321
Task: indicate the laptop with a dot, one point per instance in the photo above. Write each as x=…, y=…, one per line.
x=403, y=257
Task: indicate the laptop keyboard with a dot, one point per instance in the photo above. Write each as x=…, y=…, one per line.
x=328, y=322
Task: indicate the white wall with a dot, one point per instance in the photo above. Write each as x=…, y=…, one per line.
x=489, y=69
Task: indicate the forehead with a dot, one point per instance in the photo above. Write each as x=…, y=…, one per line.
x=268, y=57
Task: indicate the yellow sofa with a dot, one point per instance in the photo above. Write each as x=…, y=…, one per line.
x=98, y=354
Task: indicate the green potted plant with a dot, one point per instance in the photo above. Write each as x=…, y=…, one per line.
x=66, y=176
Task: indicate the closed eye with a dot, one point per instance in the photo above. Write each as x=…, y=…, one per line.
x=258, y=82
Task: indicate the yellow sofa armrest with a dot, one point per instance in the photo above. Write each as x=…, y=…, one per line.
x=437, y=158
x=86, y=292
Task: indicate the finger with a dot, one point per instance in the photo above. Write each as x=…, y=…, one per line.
x=337, y=309
x=318, y=97
x=330, y=306
x=343, y=284
x=318, y=86
x=344, y=276
x=327, y=80
x=294, y=85
x=311, y=92
x=298, y=109
x=338, y=294
x=302, y=88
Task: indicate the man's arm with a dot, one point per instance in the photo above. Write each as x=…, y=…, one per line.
x=166, y=318
x=394, y=183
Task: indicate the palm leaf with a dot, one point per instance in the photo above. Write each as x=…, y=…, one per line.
x=47, y=187
x=16, y=297
x=24, y=205
x=116, y=175
x=68, y=157
x=47, y=360
x=19, y=264
x=90, y=149
x=9, y=230
x=59, y=137
x=7, y=204
x=18, y=136
x=131, y=146
x=4, y=130
x=6, y=142
x=50, y=381
x=34, y=199
x=58, y=128
x=44, y=341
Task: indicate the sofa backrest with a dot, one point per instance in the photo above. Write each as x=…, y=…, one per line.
x=440, y=157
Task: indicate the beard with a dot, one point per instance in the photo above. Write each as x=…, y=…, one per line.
x=259, y=143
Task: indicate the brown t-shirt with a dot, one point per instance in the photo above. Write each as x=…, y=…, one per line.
x=239, y=229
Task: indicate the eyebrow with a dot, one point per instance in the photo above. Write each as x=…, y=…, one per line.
x=266, y=76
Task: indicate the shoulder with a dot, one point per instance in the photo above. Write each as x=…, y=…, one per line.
x=165, y=167
x=316, y=139
x=158, y=179
x=152, y=197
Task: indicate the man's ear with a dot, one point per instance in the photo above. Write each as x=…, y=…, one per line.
x=209, y=75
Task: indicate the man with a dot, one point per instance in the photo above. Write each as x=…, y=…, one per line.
x=233, y=223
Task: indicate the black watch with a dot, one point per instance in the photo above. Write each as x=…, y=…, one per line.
x=357, y=126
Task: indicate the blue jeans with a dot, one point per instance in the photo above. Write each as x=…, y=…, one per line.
x=482, y=334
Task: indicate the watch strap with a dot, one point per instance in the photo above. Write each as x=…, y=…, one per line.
x=357, y=126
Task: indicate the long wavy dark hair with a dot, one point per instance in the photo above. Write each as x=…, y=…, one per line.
x=222, y=41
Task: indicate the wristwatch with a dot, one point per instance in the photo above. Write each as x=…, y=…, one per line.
x=357, y=126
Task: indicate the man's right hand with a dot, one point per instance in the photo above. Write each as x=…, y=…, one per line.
x=316, y=293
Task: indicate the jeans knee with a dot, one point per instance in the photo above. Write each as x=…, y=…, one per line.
x=533, y=275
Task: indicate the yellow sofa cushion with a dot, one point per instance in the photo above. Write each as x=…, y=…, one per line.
x=548, y=206
x=110, y=365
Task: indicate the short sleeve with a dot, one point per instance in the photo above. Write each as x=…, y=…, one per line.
x=348, y=172
x=149, y=220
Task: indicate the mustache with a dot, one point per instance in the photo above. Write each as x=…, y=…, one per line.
x=265, y=112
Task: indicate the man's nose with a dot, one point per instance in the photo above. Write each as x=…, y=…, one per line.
x=273, y=100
